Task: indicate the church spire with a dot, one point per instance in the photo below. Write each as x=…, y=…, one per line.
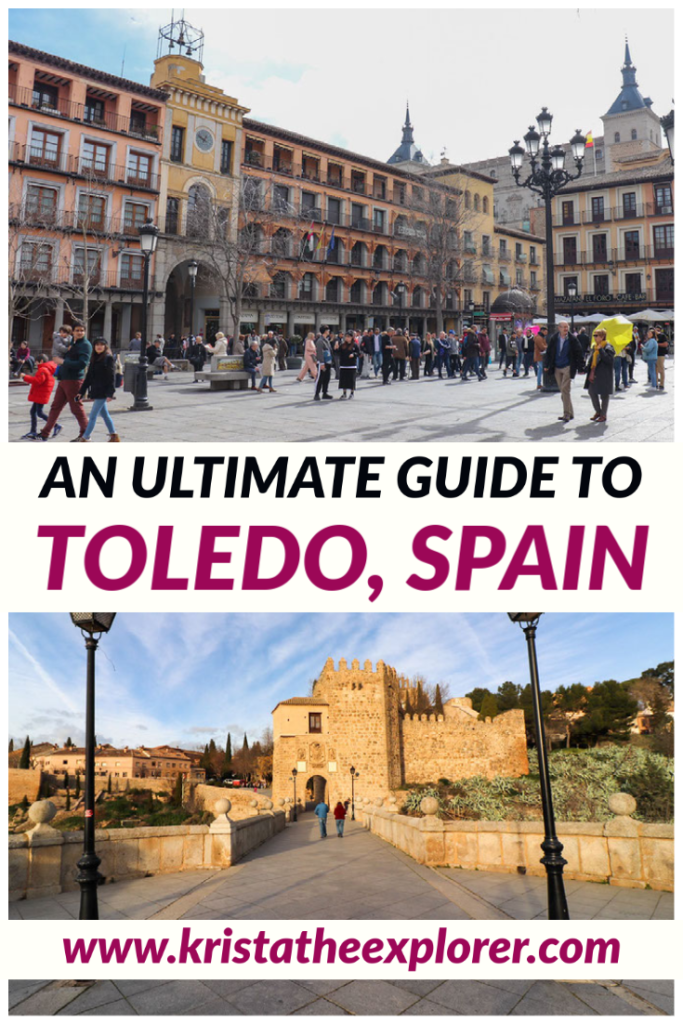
x=628, y=72
x=627, y=54
x=407, y=127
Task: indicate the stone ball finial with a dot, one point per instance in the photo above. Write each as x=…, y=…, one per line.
x=619, y=803
x=42, y=811
x=253, y=803
x=378, y=801
x=268, y=805
x=222, y=806
x=288, y=799
x=281, y=802
x=429, y=805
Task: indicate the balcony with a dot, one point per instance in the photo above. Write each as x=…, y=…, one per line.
x=521, y=257
x=662, y=253
x=660, y=209
x=634, y=212
x=253, y=158
x=64, y=163
x=534, y=287
x=470, y=248
x=360, y=223
x=312, y=213
x=596, y=216
x=504, y=255
x=109, y=121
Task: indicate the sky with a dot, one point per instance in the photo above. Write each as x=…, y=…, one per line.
x=475, y=78
x=185, y=678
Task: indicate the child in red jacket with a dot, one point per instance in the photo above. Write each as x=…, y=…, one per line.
x=42, y=382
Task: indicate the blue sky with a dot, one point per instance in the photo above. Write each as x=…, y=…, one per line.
x=472, y=76
x=183, y=678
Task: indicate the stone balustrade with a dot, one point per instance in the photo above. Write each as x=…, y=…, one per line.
x=42, y=862
x=621, y=851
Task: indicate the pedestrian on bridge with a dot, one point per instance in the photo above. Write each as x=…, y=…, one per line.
x=339, y=815
x=321, y=811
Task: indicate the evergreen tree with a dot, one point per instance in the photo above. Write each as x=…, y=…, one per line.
x=11, y=746
x=69, y=742
x=408, y=707
x=438, y=702
x=245, y=745
x=24, y=803
x=109, y=784
x=489, y=707
x=477, y=696
x=25, y=761
x=178, y=791
x=610, y=710
x=568, y=703
x=508, y=697
x=68, y=799
x=212, y=747
x=227, y=760
x=78, y=784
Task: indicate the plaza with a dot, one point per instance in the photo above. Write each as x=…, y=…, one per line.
x=429, y=409
x=322, y=997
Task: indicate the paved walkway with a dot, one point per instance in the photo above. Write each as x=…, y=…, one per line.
x=296, y=876
x=329, y=998
x=499, y=409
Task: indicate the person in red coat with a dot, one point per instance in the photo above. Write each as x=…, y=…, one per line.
x=42, y=382
x=339, y=815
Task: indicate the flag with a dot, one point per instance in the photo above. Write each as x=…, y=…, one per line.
x=589, y=140
x=331, y=243
x=320, y=241
x=307, y=241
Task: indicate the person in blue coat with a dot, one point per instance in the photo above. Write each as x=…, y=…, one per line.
x=321, y=812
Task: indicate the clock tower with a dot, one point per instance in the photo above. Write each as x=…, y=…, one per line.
x=200, y=168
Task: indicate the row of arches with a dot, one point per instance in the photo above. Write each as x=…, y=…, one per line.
x=313, y=288
x=476, y=202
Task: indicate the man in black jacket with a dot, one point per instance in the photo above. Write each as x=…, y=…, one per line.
x=73, y=370
x=564, y=358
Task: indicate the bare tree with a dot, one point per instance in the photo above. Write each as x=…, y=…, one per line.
x=31, y=267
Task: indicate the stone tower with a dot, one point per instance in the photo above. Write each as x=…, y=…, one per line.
x=630, y=126
x=408, y=156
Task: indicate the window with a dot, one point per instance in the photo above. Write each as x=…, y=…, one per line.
x=379, y=187
x=135, y=215
x=629, y=204
x=486, y=245
x=664, y=240
x=41, y=204
x=315, y=721
x=632, y=244
x=308, y=203
x=519, y=276
x=532, y=254
x=334, y=211
x=335, y=174
x=87, y=265
x=93, y=111
x=45, y=96
x=663, y=202
x=252, y=195
x=307, y=287
x=95, y=159
x=519, y=253
x=226, y=156
x=634, y=134
x=566, y=283
x=333, y=294
x=139, y=168
x=379, y=220
x=476, y=201
x=568, y=212
x=598, y=155
x=281, y=199
x=357, y=293
x=177, y=143
x=278, y=286
x=569, y=250
x=400, y=193
x=532, y=279
x=45, y=148
x=358, y=216
x=617, y=137
x=172, y=208
x=468, y=201
x=36, y=260
x=487, y=273
x=138, y=122
x=601, y=285
x=597, y=209
x=358, y=255
x=633, y=283
x=198, y=211
x=468, y=241
x=485, y=204
x=599, y=248
x=91, y=210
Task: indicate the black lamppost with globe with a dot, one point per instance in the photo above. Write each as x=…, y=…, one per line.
x=91, y=625
x=572, y=293
x=552, y=858
x=547, y=176
x=149, y=235
x=192, y=269
x=293, y=779
x=354, y=775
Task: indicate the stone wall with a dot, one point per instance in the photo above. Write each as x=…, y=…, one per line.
x=198, y=797
x=23, y=782
x=42, y=862
x=452, y=748
x=622, y=851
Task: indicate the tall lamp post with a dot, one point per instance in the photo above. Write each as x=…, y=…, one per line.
x=91, y=625
x=294, y=775
x=546, y=178
x=667, y=123
x=354, y=775
x=192, y=269
x=552, y=859
x=149, y=234
x=572, y=292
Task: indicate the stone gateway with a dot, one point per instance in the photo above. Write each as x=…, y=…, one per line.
x=355, y=718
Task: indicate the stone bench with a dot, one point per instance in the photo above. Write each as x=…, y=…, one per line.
x=227, y=380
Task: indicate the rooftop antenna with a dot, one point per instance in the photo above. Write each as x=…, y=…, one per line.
x=179, y=33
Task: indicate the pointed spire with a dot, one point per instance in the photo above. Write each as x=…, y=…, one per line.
x=627, y=54
x=628, y=72
x=408, y=128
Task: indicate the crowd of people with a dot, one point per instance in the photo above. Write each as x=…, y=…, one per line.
x=79, y=372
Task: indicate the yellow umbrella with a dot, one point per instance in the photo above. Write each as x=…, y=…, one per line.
x=619, y=332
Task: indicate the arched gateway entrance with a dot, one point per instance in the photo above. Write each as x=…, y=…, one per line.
x=317, y=789
x=187, y=314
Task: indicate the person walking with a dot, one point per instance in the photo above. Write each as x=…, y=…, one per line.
x=323, y=355
x=348, y=365
x=620, y=371
x=528, y=343
x=387, y=355
x=282, y=353
x=339, y=816
x=662, y=349
x=502, y=348
x=540, y=348
x=564, y=359
x=485, y=353
x=584, y=341
x=471, y=354
x=400, y=355
x=429, y=355
x=512, y=350
x=649, y=355
x=251, y=360
x=68, y=390
x=100, y=382
x=309, y=358
x=321, y=811
x=415, y=350
x=42, y=382
x=599, y=376
x=454, y=364
x=268, y=355
x=376, y=350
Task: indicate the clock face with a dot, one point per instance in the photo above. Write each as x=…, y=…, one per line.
x=204, y=140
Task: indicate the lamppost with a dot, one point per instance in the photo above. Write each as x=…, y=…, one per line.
x=91, y=625
x=149, y=234
x=192, y=269
x=470, y=310
x=552, y=859
x=294, y=775
x=546, y=178
x=354, y=775
x=572, y=292
x=667, y=123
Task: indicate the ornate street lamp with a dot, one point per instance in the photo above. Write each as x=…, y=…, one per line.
x=572, y=293
x=293, y=779
x=552, y=858
x=91, y=625
x=667, y=123
x=192, y=269
x=546, y=178
x=354, y=775
x=149, y=234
